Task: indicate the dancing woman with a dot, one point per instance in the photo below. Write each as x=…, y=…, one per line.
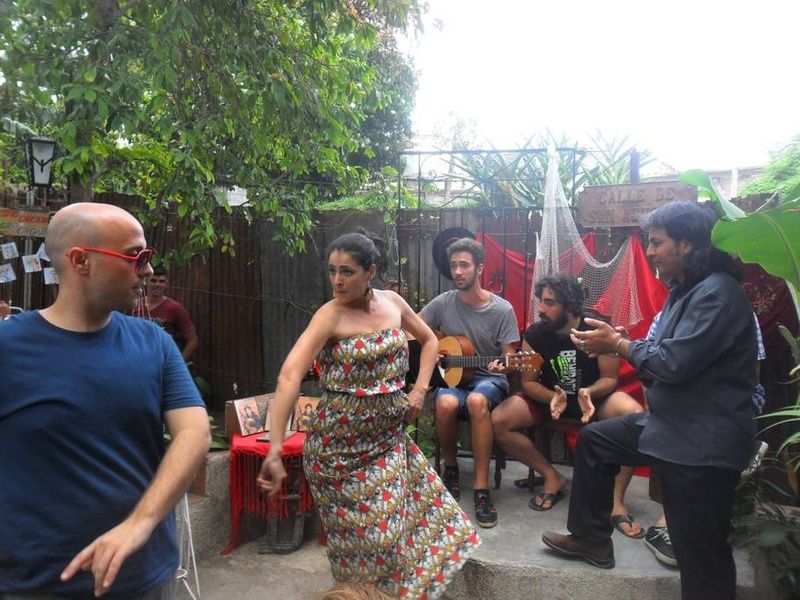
x=389, y=520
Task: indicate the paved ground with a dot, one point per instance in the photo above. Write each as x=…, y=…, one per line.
x=510, y=563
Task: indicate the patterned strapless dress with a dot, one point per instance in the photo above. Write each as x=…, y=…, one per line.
x=388, y=518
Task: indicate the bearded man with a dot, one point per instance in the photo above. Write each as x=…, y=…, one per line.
x=571, y=385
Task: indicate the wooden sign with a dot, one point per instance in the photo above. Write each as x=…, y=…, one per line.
x=32, y=223
x=23, y=223
x=625, y=205
x=8, y=221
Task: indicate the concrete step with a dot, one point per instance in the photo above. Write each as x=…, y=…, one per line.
x=511, y=563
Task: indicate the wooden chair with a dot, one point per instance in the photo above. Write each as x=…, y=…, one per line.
x=542, y=436
x=465, y=448
x=563, y=425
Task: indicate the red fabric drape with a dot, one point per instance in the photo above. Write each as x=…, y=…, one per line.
x=651, y=295
x=246, y=457
x=516, y=287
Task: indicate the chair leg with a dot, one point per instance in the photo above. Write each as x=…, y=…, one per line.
x=499, y=465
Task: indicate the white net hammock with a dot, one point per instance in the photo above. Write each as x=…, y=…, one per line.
x=611, y=286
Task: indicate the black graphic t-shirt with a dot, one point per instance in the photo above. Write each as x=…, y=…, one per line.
x=564, y=365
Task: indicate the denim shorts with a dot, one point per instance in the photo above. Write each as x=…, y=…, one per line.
x=495, y=389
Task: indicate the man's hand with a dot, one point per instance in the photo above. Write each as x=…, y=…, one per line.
x=496, y=366
x=105, y=555
x=595, y=342
x=272, y=474
x=558, y=404
x=586, y=405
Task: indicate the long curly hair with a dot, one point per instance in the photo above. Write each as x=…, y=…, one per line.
x=569, y=292
x=692, y=222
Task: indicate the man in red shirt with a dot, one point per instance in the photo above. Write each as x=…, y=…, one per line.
x=168, y=313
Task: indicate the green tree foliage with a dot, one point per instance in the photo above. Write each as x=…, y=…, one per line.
x=385, y=131
x=782, y=174
x=168, y=100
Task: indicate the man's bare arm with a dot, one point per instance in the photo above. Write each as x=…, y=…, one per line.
x=104, y=556
x=192, y=342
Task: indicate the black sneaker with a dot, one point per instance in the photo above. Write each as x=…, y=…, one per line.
x=657, y=539
x=450, y=480
x=485, y=512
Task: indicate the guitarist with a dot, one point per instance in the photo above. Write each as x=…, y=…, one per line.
x=572, y=385
x=490, y=324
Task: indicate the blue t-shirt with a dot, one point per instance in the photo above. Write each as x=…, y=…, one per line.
x=81, y=437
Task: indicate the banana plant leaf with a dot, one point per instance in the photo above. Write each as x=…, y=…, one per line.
x=770, y=238
x=706, y=188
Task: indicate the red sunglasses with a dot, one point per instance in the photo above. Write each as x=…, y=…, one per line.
x=140, y=260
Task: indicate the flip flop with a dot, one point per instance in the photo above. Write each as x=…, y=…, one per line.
x=545, y=496
x=618, y=520
x=525, y=483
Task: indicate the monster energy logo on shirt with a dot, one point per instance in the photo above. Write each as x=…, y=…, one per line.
x=565, y=368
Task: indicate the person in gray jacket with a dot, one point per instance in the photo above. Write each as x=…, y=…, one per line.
x=699, y=371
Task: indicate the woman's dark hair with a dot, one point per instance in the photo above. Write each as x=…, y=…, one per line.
x=366, y=248
x=692, y=222
x=569, y=292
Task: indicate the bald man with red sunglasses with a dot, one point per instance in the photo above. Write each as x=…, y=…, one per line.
x=86, y=393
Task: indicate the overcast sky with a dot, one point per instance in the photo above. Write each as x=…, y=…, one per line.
x=702, y=84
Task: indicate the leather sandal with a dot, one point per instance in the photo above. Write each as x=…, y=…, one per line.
x=618, y=520
x=545, y=497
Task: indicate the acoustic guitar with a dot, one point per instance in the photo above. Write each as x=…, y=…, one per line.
x=458, y=361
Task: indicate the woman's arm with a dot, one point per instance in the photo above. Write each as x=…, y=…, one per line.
x=300, y=357
x=416, y=326
x=308, y=345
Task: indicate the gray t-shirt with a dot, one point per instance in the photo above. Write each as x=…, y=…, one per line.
x=489, y=328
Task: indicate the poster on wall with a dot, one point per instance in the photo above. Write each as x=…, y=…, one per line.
x=7, y=274
x=42, y=253
x=9, y=250
x=31, y=264
x=50, y=276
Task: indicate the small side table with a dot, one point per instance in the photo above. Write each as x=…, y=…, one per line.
x=246, y=456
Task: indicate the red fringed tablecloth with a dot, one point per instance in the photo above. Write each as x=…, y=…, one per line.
x=246, y=457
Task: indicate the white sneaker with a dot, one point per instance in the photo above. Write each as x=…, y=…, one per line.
x=755, y=461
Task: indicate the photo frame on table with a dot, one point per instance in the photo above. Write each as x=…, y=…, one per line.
x=269, y=398
x=304, y=409
x=251, y=418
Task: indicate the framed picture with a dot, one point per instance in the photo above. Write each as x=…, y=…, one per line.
x=304, y=410
x=268, y=400
x=251, y=419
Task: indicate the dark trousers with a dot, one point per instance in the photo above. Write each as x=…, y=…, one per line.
x=697, y=503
